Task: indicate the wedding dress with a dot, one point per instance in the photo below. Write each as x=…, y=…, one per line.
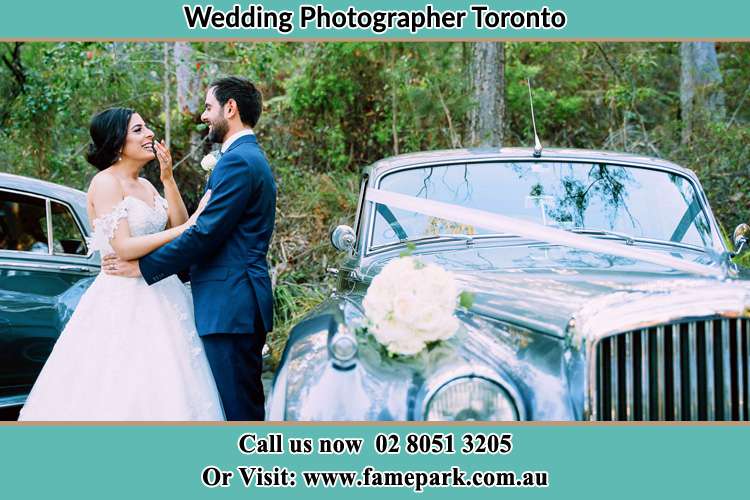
x=130, y=351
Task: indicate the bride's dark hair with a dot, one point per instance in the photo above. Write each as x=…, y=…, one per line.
x=108, y=131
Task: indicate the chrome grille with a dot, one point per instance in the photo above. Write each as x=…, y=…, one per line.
x=692, y=370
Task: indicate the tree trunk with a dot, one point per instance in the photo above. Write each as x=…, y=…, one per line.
x=188, y=81
x=394, y=98
x=701, y=96
x=167, y=100
x=12, y=60
x=189, y=92
x=488, y=86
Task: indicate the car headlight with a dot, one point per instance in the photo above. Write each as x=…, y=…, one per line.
x=470, y=398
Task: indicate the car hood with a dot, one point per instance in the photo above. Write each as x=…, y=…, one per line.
x=550, y=288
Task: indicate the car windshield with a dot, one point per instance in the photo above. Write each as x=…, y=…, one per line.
x=582, y=197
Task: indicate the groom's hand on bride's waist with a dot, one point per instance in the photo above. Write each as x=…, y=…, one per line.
x=115, y=266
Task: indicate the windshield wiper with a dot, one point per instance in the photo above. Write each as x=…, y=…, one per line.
x=468, y=238
x=628, y=239
x=631, y=240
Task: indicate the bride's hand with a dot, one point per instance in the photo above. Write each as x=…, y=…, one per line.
x=201, y=206
x=165, y=161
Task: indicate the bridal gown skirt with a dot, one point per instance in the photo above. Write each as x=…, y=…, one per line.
x=130, y=351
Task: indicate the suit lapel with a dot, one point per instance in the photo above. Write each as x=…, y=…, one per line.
x=242, y=140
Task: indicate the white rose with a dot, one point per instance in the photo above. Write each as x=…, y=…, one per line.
x=447, y=328
x=389, y=332
x=410, y=304
x=406, y=346
x=406, y=307
x=208, y=162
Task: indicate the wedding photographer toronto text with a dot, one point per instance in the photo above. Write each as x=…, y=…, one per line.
x=317, y=17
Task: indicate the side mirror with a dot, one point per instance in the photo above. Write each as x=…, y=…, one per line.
x=343, y=238
x=741, y=237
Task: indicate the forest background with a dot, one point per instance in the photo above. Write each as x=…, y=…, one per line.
x=332, y=108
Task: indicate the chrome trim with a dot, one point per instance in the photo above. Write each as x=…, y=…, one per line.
x=81, y=229
x=4, y=251
x=661, y=371
x=614, y=407
x=75, y=269
x=693, y=349
x=440, y=379
x=342, y=334
x=11, y=401
x=630, y=407
x=661, y=303
x=747, y=366
x=25, y=193
x=50, y=235
x=50, y=238
x=83, y=268
x=593, y=410
x=676, y=372
x=645, y=376
x=343, y=238
x=726, y=370
x=710, y=397
x=740, y=371
x=358, y=214
x=47, y=216
x=695, y=375
x=23, y=265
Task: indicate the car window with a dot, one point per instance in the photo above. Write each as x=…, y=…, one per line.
x=639, y=202
x=66, y=234
x=23, y=223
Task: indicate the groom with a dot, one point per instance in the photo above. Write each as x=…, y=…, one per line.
x=226, y=251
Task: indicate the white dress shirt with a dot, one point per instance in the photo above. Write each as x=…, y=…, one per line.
x=225, y=145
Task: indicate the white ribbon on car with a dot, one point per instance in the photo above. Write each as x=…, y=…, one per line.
x=532, y=230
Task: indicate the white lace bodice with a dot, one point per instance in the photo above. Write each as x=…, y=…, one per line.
x=142, y=219
x=130, y=350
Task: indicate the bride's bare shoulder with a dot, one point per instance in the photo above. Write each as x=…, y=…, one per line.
x=104, y=191
x=103, y=182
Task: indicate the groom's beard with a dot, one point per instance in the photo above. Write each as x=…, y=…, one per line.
x=218, y=131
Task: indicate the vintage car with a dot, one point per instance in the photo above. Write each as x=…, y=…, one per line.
x=45, y=266
x=602, y=288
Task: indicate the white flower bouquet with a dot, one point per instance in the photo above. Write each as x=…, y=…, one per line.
x=410, y=305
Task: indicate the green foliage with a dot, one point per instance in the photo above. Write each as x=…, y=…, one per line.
x=466, y=299
x=409, y=250
x=349, y=104
x=332, y=108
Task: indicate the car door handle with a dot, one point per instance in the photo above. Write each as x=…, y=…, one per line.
x=75, y=269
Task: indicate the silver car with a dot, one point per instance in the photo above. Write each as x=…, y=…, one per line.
x=602, y=287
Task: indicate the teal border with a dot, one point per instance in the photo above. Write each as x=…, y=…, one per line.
x=587, y=19
x=584, y=461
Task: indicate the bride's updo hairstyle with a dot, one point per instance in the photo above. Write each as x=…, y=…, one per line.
x=108, y=131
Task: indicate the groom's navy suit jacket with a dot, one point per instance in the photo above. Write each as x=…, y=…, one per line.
x=226, y=249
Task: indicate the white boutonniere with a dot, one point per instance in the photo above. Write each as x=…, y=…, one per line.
x=209, y=162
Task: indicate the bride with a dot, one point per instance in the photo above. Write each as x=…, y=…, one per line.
x=130, y=351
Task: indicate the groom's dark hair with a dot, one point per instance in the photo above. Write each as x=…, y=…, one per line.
x=248, y=98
